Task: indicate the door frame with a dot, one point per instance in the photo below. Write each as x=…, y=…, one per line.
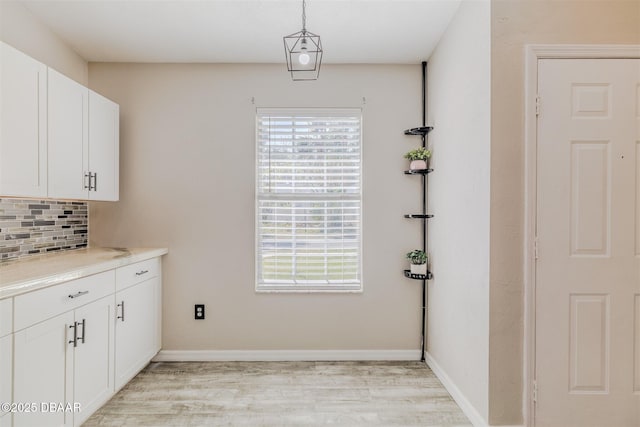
x=533, y=53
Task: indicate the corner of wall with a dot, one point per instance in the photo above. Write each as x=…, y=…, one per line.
x=22, y=30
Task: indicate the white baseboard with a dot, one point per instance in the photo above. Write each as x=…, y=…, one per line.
x=474, y=416
x=283, y=355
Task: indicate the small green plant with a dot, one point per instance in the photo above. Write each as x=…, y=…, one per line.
x=417, y=257
x=418, y=154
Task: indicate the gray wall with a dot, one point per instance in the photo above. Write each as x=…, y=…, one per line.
x=187, y=183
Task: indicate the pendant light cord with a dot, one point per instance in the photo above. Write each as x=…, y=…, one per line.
x=304, y=16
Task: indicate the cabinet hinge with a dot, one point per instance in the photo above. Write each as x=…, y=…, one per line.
x=538, y=101
x=535, y=391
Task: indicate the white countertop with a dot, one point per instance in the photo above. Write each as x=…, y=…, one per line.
x=18, y=277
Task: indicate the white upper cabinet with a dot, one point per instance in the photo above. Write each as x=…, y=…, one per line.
x=58, y=138
x=104, y=147
x=83, y=142
x=23, y=124
x=68, y=138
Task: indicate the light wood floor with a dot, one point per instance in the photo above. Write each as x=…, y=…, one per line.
x=282, y=394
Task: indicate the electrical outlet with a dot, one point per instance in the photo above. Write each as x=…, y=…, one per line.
x=199, y=312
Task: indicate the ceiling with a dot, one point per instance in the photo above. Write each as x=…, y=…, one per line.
x=245, y=31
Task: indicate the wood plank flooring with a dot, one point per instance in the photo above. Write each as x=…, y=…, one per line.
x=282, y=394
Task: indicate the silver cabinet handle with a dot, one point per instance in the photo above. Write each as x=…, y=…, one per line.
x=79, y=294
x=74, y=341
x=95, y=181
x=121, y=305
x=87, y=180
x=140, y=273
x=84, y=328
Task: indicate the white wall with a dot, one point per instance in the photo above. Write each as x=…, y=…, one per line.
x=187, y=183
x=459, y=190
x=22, y=30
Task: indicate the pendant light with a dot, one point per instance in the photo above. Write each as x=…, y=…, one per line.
x=303, y=51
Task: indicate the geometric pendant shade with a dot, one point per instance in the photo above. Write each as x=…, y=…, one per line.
x=303, y=51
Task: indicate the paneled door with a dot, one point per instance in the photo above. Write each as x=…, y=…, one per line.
x=588, y=237
x=68, y=137
x=23, y=124
x=104, y=150
x=93, y=359
x=42, y=372
x=136, y=329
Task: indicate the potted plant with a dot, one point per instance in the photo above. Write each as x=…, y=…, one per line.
x=418, y=260
x=418, y=158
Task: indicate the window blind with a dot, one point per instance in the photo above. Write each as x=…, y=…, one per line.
x=309, y=199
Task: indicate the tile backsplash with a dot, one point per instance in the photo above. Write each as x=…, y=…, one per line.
x=29, y=227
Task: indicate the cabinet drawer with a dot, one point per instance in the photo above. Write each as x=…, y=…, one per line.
x=6, y=316
x=136, y=273
x=43, y=304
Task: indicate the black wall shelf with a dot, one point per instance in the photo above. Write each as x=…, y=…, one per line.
x=422, y=132
x=410, y=275
x=419, y=216
x=418, y=171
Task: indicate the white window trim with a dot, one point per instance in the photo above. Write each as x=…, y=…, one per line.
x=324, y=288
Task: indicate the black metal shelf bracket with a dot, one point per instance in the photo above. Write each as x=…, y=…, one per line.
x=410, y=275
x=418, y=216
x=420, y=131
x=418, y=171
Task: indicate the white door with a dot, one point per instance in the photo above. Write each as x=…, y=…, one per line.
x=588, y=230
x=104, y=147
x=93, y=358
x=68, y=137
x=42, y=368
x=23, y=124
x=136, y=329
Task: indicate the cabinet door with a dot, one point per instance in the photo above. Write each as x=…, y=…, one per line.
x=6, y=368
x=43, y=367
x=93, y=358
x=23, y=124
x=6, y=420
x=68, y=137
x=136, y=329
x=104, y=147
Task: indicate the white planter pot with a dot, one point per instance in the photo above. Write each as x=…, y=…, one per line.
x=419, y=269
x=418, y=164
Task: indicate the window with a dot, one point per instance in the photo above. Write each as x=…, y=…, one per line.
x=309, y=200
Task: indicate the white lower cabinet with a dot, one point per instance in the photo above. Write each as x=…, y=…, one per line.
x=6, y=375
x=136, y=328
x=93, y=357
x=70, y=347
x=64, y=365
x=42, y=368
